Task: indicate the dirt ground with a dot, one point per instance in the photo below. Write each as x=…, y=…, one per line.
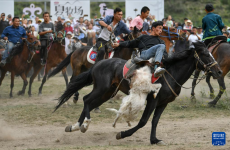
x=28, y=123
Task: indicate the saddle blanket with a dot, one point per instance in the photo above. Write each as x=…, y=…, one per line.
x=91, y=56
x=132, y=67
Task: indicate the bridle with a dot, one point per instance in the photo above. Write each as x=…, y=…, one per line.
x=31, y=45
x=175, y=34
x=207, y=68
x=58, y=38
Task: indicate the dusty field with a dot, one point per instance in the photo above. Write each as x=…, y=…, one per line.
x=28, y=123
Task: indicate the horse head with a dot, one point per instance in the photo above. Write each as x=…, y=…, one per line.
x=60, y=35
x=32, y=42
x=205, y=60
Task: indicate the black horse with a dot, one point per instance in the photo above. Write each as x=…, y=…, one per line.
x=107, y=74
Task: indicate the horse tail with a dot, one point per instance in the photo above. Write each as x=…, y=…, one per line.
x=60, y=66
x=76, y=83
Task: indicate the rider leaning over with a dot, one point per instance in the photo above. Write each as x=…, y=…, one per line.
x=13, y=34
x=110, y=24
x=212, y=25
x=150, y=46
x=46, y=29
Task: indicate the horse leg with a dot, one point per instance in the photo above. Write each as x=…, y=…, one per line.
x=221, y=91
x=3, y=73
x=193, y=98
x=44, y=79
x=65, y=77
x=212, y=95
x=36, y=72
x=157, y=114
x=150, y=106
x=12, y=84
x=76, y=72
x=25, y=83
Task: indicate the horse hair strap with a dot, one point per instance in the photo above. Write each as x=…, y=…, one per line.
x=170, y=86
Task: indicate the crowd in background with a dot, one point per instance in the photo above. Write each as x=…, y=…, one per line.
x=85, y=31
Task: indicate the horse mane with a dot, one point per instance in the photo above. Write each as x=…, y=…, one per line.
x=199, y=47
x=17, y=49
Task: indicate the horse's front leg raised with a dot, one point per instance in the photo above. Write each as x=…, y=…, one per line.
x=151, y=105
x=157, y=114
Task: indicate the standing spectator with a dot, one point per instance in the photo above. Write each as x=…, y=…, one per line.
x=129, y=20
x=58, y=18
x=192, y=37
x=92, y=21
x=9, y=18
x=139, y=20
x=178, y=25
x=39, y=22
x=86, y=23
x=199, y=32
x=79, y=26
x=153, y=19
x=24, y=24
x=164, y=21
x=63, y=20
x=36, y=24
x=35, y=33
x=29, y=23
x=3, y=23
x=188, y=25
x=68, y=26
x=68, y=43
x=185, y=20
x=91, y=36
x=169, y=22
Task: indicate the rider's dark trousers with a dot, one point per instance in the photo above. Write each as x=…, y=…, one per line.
x=43, y=51
x=102, y=49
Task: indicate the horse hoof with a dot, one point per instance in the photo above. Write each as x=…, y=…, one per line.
x=118, y=136
x=20, y=93
x=212, y=103
x=97, y=110
x=83, y=129
x=162, y=143
x=39, y=94
x=68, y=128
x=75, y=100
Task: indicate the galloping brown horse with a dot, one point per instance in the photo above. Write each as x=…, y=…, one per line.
x=18, y=64
x=78, y=58
x=56, y=54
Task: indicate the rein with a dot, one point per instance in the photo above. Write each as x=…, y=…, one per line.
x=177, y=34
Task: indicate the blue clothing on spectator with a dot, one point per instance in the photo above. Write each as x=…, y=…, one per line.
x=212, y=26
x=145, y=26
x=121, y=27
x=14, y=34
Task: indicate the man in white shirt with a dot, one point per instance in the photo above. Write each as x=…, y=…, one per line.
x=192, y=37
x=36, y=25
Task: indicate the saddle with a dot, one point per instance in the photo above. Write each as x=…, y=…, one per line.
x=92, y=54
x=132, y=65
x=216, y=42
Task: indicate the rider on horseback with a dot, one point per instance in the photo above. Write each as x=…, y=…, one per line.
x=46, y=29
x=110, y=24
x=212, y=25
x=13, y=34
x=150, y=46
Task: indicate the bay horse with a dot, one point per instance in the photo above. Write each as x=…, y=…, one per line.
x=56, y=54
x=222, y=55
x=19, y=65
x=107, y=76
x=78, y=58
